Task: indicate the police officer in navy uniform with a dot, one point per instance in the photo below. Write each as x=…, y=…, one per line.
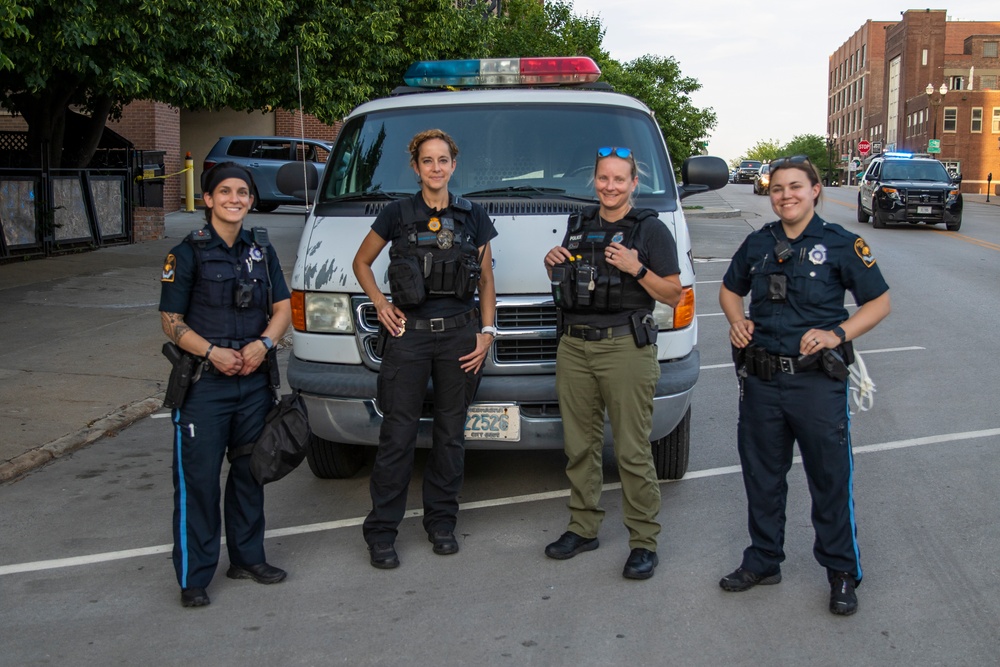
x=614, y=264
x=214, y=305
x=439, y=258
x=792, y=353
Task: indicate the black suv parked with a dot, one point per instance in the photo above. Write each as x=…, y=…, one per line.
x=748, y=170
x=900, y=187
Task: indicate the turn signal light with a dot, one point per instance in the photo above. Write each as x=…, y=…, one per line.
x=299, y=310
x=684, y=311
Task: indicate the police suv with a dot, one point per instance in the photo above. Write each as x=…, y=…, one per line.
x=527, y=131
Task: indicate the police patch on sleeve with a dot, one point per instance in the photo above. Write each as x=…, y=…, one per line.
x=169, y=269
x=864, y=252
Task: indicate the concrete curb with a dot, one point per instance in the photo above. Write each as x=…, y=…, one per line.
x=713, y=213
x=108, y=426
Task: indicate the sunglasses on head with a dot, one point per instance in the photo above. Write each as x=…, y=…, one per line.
x=618, y=151
x=789, y=161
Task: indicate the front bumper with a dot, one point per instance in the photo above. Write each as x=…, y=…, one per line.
x=913, y=210
x=342, y=405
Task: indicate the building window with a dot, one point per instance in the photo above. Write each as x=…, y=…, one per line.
x=861, y=88
x=951, y=119
x=989, y=49
x=957, y=83
x=977, y=119
x=996, y=120
x=923, y=57
x=988, y=82
x=864, y=47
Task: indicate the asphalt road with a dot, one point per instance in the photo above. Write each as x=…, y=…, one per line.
x=85, y=574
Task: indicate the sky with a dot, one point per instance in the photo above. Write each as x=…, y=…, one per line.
x=762, y=65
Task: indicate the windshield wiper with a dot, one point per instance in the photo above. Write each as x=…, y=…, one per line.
x=515, y=191
x=372, y=194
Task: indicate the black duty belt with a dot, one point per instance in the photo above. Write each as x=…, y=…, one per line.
x=437, y=324
x=210, y=369
x=592, y=334
x=764, y=364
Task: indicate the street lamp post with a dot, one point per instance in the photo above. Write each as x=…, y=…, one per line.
x=831, y=142
x=935, y=102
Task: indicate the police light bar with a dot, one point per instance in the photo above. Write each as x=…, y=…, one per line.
x=897, y=154
x=502, y=72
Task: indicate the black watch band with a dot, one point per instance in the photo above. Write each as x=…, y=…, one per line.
x=642, y=273
x=841, y=334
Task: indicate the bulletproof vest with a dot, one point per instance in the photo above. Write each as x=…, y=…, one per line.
x=588, y=283
x=228, y=304
x=432, y=258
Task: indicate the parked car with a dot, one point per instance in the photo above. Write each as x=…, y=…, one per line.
x=263, y=156
x=527, y=156
x=747, y=170
x=762, y=180
x=901, y=187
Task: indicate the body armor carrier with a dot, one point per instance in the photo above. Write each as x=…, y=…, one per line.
x=439, y=262
x=588, y=283
x=228, y=305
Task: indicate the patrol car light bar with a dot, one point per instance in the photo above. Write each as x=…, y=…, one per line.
x=502, y=72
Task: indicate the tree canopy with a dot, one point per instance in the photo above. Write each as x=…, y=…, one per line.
x=97, y=56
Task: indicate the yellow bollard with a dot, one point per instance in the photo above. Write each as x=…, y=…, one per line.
x=189, y=183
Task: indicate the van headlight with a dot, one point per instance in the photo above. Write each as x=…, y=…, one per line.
x=322, y=312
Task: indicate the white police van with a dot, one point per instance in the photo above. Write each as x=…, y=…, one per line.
x=527, y=131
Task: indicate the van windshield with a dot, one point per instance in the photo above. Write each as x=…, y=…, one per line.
x=518, y=150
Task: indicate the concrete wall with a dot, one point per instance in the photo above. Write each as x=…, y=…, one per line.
x=201, y=129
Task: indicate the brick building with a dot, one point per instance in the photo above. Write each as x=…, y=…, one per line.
x=908, y=84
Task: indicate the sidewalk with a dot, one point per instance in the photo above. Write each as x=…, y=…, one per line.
x=709, y=205
x=80, y=341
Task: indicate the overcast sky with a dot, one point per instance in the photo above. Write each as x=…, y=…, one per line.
x=762, y=65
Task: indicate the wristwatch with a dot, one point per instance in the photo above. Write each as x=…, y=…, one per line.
x=642, y=273
x=489, y=330
x=841, y=334
x=268, y=344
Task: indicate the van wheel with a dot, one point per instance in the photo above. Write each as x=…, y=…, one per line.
x=670, y=454
x=333, y=460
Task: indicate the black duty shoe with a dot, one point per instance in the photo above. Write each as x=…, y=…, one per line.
x=444, y=542
x=569, y=545
x=743, y=580
x=383, y=556
x=843, y=599
x=641, y=564
x=262, y=573
x=194, y=597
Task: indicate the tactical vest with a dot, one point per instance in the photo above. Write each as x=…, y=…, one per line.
x=439, y=262
x=228, y=304
x=588, y=283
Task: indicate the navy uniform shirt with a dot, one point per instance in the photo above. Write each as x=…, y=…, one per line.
x=479, y=229
x=179, y=271
x=826, y=260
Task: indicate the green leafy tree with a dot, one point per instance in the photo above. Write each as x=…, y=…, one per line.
x=814, y=147
x=764, y=150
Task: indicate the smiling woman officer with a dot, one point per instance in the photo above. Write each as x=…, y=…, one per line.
x=791, y=353
x=214, y=307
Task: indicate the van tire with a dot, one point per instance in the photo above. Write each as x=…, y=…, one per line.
x=671, y=453
x=333, y=460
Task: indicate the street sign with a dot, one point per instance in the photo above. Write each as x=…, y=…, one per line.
x=877, y=147
x=934, y=146
x=864, y=147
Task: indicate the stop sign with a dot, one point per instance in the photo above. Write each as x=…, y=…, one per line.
x=864, y=146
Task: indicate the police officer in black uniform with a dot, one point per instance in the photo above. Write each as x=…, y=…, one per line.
x=791, y=354
x=215, y=290
x=440, y=256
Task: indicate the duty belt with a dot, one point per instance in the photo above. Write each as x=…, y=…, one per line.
x=763, y=364
x=209, y=369
x=438, y=324
x=592, y=334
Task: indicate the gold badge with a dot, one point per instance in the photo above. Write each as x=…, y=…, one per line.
x=169, y=269
x=434, y=224
x=864, y=252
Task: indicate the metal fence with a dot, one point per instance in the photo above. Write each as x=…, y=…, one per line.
x=46, y=211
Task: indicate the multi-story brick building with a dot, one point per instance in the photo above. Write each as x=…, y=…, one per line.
x=922, y=84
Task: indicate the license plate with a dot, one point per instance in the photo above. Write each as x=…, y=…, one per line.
x=493, y=422
x=924, y=210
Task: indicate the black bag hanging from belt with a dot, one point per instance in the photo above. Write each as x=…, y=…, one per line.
x=282, y=443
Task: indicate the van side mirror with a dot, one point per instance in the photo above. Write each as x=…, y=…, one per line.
x=298, y=179
x=701, y=173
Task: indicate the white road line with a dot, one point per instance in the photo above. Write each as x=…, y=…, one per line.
x=482, y=504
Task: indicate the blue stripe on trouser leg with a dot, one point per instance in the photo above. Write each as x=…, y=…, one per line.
x=180, y=507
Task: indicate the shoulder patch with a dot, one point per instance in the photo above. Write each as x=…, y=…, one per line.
x=169, y=269
x=864, y=252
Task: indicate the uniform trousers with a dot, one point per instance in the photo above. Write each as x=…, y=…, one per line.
x=408, y=363
x=810, y=408
x=615, y=375
x=219, y=412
